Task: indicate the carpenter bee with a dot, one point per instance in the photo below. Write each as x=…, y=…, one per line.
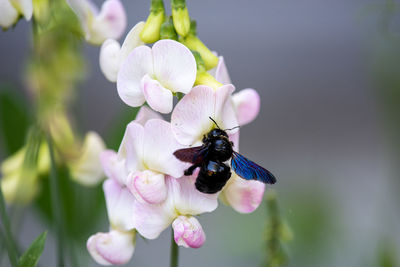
x=210, y=157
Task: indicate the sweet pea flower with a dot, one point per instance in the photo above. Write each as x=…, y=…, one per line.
x=117, y=246
x=246, y=102
x=190, y=122
x=11, y=9
x=154, y=74
x=112, y=54
x=109, y=22
x=183, y=202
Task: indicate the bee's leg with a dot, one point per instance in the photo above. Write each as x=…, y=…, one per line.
x=191, y=169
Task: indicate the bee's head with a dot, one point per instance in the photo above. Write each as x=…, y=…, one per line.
x=215, y=133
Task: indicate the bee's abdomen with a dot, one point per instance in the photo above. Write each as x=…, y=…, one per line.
x=212, y=177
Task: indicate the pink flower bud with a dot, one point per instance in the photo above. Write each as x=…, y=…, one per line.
x=188, y=232
x=112, y=248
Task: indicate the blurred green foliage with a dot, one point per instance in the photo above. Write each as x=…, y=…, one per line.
x=31, y=256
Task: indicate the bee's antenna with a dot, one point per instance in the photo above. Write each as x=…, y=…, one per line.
x=214, y=122
x=232, y=128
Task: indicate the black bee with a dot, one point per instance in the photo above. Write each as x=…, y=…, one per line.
x=210, y=157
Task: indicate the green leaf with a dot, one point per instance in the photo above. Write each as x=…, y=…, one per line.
x=31, y=256
x=14, y=118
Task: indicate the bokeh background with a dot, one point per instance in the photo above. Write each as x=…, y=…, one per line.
x=328, y=75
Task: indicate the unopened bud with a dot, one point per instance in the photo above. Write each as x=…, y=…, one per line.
x=151, y=31
x=180, y=17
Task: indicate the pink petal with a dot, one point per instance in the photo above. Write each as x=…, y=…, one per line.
x=174, y=65
x=224, y=110
x=188, y=232
x=148, y=186
x=187, y=199
x=221, y=72
x=132, y=40
x=138, y=63
x=247, y=105
x=112, y=248
x=119, y=202
x=158, y=98
x=159, y=146
x=146, y=114
x=110, y=23
x=244, y=196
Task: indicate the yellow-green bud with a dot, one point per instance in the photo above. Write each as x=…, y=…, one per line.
x=181, y=20
x=41, y=10
x=205, y=78
x=151, y=30
x=168, y=31
x=194, y=43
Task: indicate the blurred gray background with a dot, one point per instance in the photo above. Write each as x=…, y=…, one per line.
x=320, y=129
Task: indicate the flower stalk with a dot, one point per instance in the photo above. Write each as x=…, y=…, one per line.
x=174, y=260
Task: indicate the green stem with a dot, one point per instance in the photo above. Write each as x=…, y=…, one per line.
x=174, y=251
x=56, y=204
x=12, y=250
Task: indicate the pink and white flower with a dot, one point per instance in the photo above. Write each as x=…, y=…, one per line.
x=188, y=232
x=11, y=9
x=154, y=74
x=190, y=121
x=182, y=203
x=112, y=54
x=99, y=25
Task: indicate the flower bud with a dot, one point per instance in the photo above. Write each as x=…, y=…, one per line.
x=148, y=186
x=180, y=16
x=168, y=31
x=112, y=248
x=151, y=31
x=194, y=43
x=188, y=232
x=86, y=169
x=205, y=78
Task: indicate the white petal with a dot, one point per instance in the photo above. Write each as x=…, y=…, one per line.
x=132, y=40
x=112, y=248
x=244, y=196
x=133, y=144
x=24, y=7
x=137, y=64
x=151, y=220
x=224, y=111
x=8, y=14
x=87, y=169
x=190, y=118
x=114, y=166
x=188, y=232
x=174, y=65
x=158, y=98
x=247, y=105
x=187, y=199
x=148, y=186
x=159, y=146
x=109, y=59
x=119, y=202
x=146, y=114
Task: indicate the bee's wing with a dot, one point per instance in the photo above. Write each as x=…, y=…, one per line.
x=193, y=155
x=249, y=170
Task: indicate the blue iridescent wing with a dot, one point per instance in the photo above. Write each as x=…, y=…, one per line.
x=249, y=170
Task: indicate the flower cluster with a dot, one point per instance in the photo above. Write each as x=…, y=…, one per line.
x=146, y=190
